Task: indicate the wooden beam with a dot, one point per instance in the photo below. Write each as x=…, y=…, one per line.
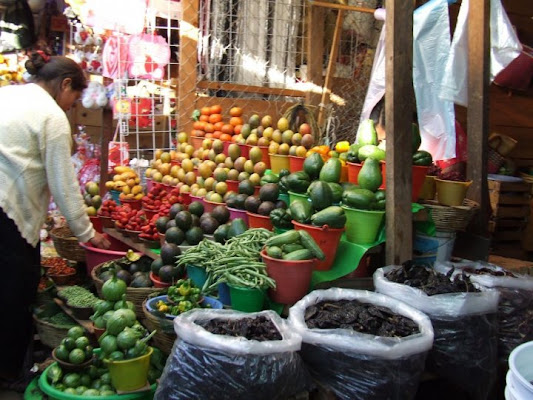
x=236, y=87
x=477, y=117
x=342, y=7
x=187, y=67
x=399, y=106
x=315, y=52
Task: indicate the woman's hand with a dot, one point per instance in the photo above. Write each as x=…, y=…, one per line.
x=100, y=241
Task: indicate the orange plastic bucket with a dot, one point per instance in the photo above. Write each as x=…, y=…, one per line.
x=196, y=142
x=226, y=144
x=296, y=163
x=418, y=175
x=293, y=278
x=259, y=221
x=353, y=171
x=210, y=205
x=326, y=238
x=344, y=173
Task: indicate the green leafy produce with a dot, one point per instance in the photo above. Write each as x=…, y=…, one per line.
x=77, y=296
x=61, y=319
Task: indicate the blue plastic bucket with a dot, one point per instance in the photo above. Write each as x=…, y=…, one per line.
x=223, y=294
x=428, y=249
x=197, y=275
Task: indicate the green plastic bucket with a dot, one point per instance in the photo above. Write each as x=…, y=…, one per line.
x=246, y=299
x=197, y=275
x=279, y=231
x=362, y=226
x=297, y=196
x=285, y=198
x=129, y=375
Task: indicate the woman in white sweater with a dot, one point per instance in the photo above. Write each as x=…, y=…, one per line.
x=35, y=150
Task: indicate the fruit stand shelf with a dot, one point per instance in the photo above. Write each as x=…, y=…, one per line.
x=134, y=245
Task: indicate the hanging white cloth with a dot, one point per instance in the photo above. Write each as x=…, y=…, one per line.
x=504, y=48
x=431, y=44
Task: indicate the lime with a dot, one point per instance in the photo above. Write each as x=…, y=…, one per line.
x=97, y=383
x=82, y=342
x=91, y=392
x=88, y=351
x=93, y=372
x=85, y=380
x=76, y=356
x=106, y=378
x=116, y=356
x=62, y=353
x=75, y=332
x=81, y=389
x=69, y=343
x=105, y=386
x=72, y=380
x=59, y=386
x=70, y=391
x=107, y=393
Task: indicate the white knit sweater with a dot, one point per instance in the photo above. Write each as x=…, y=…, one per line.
x=35, y=146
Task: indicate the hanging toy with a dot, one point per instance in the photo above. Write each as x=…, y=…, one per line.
x=94, y=64
x=82, y=36
x=95, y=96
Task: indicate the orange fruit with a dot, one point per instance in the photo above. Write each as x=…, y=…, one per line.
x=225, y=137
x=235, y=111
x=236, y=121
x=228, y=129
x=216, y=109
x=209, y=128
x=237, y=129
x=218, y=125
x=214, y=118
x=198, y=125
x=205, y=111
x=204, y=118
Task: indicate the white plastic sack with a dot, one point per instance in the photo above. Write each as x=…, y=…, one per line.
x=449, y=305
x=362, y=343
x=504, y=48
x=187, y=330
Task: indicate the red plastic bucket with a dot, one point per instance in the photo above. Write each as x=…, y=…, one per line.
x=419, y=173
x=259, y=221
x=97, y=223
x=226, y=144
x=185, y=198
x=233, y=186
x=353, y=171
x=210, y=205
x=245, y=150
x=198, y=198
x=327, y=239
x=296, y=163
x=293, y=278
x=236, y=213
x=196, y=142
x=95, y=256
x=157, y=283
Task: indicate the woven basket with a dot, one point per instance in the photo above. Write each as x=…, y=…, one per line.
x=165, y=336
x=67, y=245
x=136, y=295
x=49, y=334
x=451, y=218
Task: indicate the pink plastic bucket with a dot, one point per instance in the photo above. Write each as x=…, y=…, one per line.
x=95, y=256
x=236, y=213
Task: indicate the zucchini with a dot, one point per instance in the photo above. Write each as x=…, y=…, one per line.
x=309, y=243
x=299, y=255
x=274, y=252
x=301, y=210
x=289, y=248
x=291, y=236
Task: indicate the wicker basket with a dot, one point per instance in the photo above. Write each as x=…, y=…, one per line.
x=165, y=336
x=135, y=295
x=67, y=245
x=451, y=218
x=50, y=334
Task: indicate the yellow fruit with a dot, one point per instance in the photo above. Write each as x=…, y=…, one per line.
x=91, y=211
x=126, y=189
x=283, y=149
x=92, y=188
x=137, y=189
x=165, y=157
x=283, y=124
x=130, y=182
x=157, y=154
x=187, y=165
x=182, y=137
x=109, y=185
x=139, y=196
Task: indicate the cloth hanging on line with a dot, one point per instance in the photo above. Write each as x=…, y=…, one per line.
x=431, y=43
x=504, y=48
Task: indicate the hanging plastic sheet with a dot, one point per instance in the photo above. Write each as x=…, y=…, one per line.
x=504, y=48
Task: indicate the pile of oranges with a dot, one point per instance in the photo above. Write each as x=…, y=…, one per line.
x=211, y=124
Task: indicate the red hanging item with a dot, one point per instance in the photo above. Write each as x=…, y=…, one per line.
x=148, y=55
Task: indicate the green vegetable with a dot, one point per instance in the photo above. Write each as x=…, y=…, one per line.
x=362, y=199
x=236, y=228
x=366, y=134
x=82, y=342
x=301, y=210
x=299, y=255
x=77, y=296
x=72, y=379
x=312, y=165
x=331, y=171
x=113, y=289
x=298, y=182
x=62, y=352
x=69, y=343
x=332, y=216
x=422, y=158
x=101, y=307
x=80, y=389
x=75, y=332
x=91, y=392
x=62, y=319
x=274, y=252
x=127, y=339
x=370, y=175
x=54, y=374
x=85, y=380
x=269, y=178
x=310, y=244
x=116, y=355
x=371, y=151
x=336, y=192
x=289, y=248
x=320, y=194
x=124, y=304
x=352, y=154
x=291, y=236
x=108, y=344
x=281, y=218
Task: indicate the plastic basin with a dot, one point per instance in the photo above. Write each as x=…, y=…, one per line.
x=521, y=367
x=451, y=193
x=186, y=198
x=128, y=375
x=95, y=256
x=245, y=150
x=198, y=198
x=97, y=223
x=259, y=221
x=326, y=238
x=296, y=163
x=279, y=162
x=197, y=274
x=362, y=226
x=293, y=278
x=206, y=300
x=246, y=299
x=237, y=213
x=210, y=205
x=157, y=282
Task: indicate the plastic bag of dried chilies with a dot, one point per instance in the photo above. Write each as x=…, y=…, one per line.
x=213, y=359
x=347, y=347
x=515, y=308
x=464, y=319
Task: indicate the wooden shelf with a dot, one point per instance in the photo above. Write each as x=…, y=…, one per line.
x=87, y=324
x=134, y=245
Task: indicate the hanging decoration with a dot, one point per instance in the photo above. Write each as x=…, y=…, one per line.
x=148, y=55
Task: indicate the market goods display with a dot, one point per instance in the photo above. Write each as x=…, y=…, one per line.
x=515, y=316
x=125, y=181
x=293, y=245
x=213, y=341
x=357, y=361
x=132, y=269
x=464, y=320
x=92, y=198
x=74, y=352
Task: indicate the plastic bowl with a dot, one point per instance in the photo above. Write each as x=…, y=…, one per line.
x=95, y=256
x=521, y=367
x=150, y=304
x=69, y=366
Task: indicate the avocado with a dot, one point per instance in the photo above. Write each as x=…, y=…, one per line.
x=251, y=204
x=269, y=192
x=221, y=214
x=161, y=224
x=169, y=252
x=208, y=225
x=194, y=235
x=174, y=235
x=167, y=273
x=183, y=220
x=265, y=208
x=174, y=209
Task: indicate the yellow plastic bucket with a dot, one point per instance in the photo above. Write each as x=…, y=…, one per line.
x=278, y=162
x=429, y=188
x=129, y=375
x=451, y=193
x=362, y=226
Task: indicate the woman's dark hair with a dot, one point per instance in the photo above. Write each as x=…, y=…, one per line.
x=378, y=113
x=53, y=69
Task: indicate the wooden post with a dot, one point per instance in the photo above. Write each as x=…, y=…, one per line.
x=315, y=52
x=106, y=137
x=399, y=106
x=477, y=118
x=187, y=67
